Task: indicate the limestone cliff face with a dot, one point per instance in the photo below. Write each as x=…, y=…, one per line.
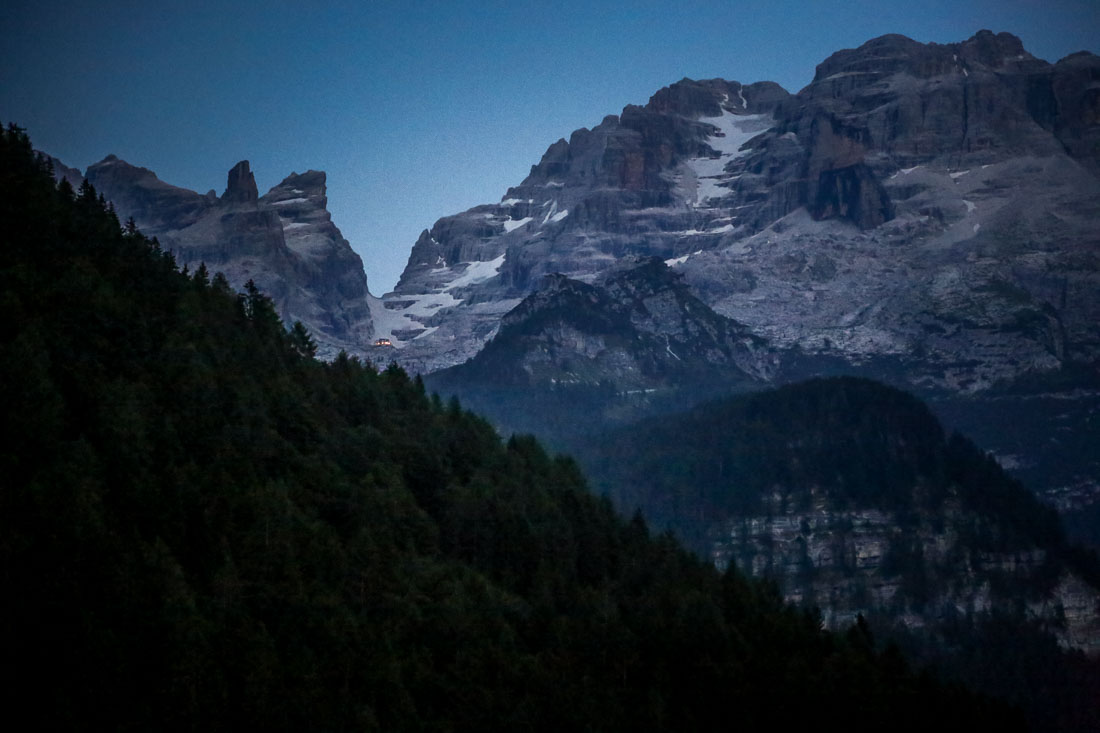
x=914, y=569
x=329, y=272
x=285, y=241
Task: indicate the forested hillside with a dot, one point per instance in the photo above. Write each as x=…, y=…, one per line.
x=851, y=496
x=202, y=527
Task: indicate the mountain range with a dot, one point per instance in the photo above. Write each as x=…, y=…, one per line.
x=922, y=214
x=929, y=204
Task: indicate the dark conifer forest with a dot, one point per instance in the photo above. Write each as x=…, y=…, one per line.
x=202, y=527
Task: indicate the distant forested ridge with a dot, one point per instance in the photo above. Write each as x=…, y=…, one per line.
x=202, y=527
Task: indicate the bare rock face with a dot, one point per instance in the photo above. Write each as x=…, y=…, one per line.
x=1067, y=99
x=285, y=241
x=329, y=271
x=914, y=202
x=913, y=570
x=967, y=100
x=851, y=193
x=241, y=186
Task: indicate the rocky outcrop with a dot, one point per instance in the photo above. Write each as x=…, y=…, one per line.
x=329, y=271
x=917, y=570
x=285, y=241
x=851, y=193
x=241, y=186
x=637, y=328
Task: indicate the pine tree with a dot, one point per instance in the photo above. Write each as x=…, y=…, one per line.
x=302, y=341
x=202, y=275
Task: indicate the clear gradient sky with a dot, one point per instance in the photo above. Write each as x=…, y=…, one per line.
x=419, y=109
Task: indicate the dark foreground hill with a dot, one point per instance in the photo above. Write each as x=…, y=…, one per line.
x=202, y=527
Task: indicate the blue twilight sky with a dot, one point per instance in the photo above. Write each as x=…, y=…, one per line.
x=419, y=109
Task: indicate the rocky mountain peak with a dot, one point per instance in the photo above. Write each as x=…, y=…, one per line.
x=885, y=56
x=311, y=182
x=63, y=172
x=555, y=292
x=138, y=192
x=1084, y=57
x=122, y=168
x=241, y=185
x=690, y=98
x=635, y=335
x=307, y=189
x=285, y=241
x=877, y=57
x=993, y=49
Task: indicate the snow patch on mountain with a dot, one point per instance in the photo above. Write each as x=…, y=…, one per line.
x=512, y=224
x=681, y=260
x=477, y=272
x=733, y=132
x=553, y=215
x=387, y=322
x=402, y=318
x=905, y=171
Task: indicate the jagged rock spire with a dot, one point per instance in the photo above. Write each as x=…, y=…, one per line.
x=241, y=185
